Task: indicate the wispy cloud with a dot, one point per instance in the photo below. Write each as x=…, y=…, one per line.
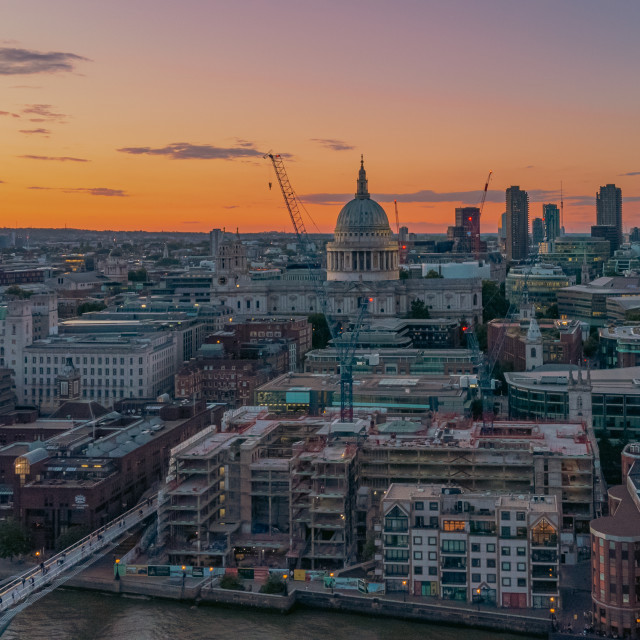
x=630, y=173
x=230, y=206
x=334, y=145
x=9, y=113
x=14, y=61
x=92, y=191
x=426, y=195
x=44, y=132
x=43, y=113
x=54, y=158
x=188, y=151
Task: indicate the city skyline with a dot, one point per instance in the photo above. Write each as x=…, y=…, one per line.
x=108, y=126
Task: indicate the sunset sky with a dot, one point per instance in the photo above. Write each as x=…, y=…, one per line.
x=155, y=114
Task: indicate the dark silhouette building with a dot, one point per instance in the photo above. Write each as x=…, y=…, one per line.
x=609, y=208
x=517, y=240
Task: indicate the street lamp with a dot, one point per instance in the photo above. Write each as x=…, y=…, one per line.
x=117, y=569
x=404, y=591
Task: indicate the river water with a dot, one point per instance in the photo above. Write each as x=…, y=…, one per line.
x=68, y=614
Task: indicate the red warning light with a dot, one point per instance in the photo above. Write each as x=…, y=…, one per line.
x=464, y=328
x=470, y=218
x=370, y=299
x=404, y=246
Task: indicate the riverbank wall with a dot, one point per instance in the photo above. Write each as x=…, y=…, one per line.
x=450, y=615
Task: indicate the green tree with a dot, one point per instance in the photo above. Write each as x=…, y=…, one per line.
x=432, y=273
x=481, y=334
x=70, y=536
x=274, y=585
x=418, y=310
x=591, y=345
x=369, y=549
x=86, y=307
x=139, y=275
x=14, y=539
x=18, y=292
x=610, y=460
x=494, y=303
x=552, y=312
x=320, y=333
x=231, y=582
x=476, y=408
x=404, y=274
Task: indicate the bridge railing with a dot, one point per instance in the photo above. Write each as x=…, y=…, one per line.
x=117, y=526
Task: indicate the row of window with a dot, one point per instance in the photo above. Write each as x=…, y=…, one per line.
x=92, y=359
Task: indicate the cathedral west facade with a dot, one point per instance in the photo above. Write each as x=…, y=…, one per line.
x=362, y=264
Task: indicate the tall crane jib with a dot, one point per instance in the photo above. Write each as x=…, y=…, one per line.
x=476, y=239
x=346, y=348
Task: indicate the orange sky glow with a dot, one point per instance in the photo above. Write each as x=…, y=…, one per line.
x=155, y=114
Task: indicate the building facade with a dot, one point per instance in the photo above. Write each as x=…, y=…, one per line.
x=609, y=208
x=443, y=542
x=517, y=240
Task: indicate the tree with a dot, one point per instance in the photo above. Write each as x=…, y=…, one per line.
x=591, y=345
x=139, y=275
x=369, y=549
x=14, y=539
x=494, y=303
x=320, y=334
x=87, y=307
x=274, y=585
x=476, y=408
x=404, y=274
x=70, y=536
x=552, y=312
x=432, y=273
x=231, y=582
x=481, y=334
x=610, y=459
x=18, y=292
x=418, y=310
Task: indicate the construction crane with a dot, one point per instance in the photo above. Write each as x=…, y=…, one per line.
x=402, y=249
x=346, y=349
x=476, y=239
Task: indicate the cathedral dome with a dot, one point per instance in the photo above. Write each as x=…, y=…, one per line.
x=363, y=247
x=362, y=214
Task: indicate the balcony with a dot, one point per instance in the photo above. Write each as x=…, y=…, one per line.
x=544, y=572
x=550, y=588
x=551, y=541
x=544, y=556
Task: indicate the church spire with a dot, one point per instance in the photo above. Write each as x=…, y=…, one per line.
x=363, y=183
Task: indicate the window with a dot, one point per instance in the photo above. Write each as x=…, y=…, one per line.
x=475, y=577
x=433, y=571
x=475, y=547
x=520, y=515
x=454, y=546
x=506, y=515
x=433, y=506
x=505, y=551
x=506, y=566
x=506, y=582
x=521, y=551
x=522, y=566
x=419, y=506
x=522, y=582
x=543, y=534
x=454, y=525
x=417, y=539
x=475, y=562
x=491, y=548
x=432, y=541
x=417, y=571
x=505, y=532
x=491, y=563
x=433, y=555
x=491, y=578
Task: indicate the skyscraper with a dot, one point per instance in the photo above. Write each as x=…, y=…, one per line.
x=551, y=218
x=517, y=223
x=537, y=231
x=609, y=208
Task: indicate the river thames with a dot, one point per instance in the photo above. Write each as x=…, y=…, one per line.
x=68, y=614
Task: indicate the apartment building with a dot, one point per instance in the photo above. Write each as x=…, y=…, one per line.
x=555, y=459
x=441, y=541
